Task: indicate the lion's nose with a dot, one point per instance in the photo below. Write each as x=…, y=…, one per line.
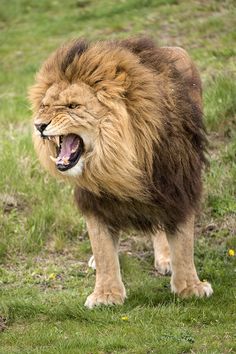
x=41, y=127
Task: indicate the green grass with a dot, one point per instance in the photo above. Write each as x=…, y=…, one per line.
x=47, y=315
x=44, y=279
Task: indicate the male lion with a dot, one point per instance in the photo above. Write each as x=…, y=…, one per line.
x=123, y=121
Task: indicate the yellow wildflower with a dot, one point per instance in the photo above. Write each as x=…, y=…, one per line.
x=125, y=318
x=52, y=276
x=231, y=252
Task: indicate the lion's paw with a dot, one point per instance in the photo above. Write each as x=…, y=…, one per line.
x=198, y=289
x=163, y=267
x=106, y=297
x=91, y=263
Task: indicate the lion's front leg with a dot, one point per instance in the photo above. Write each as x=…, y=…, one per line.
x=109, y=288
x=184, y=280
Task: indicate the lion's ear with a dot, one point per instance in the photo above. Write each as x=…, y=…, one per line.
x=124, y=79
x=114, y=87
x=121, y=76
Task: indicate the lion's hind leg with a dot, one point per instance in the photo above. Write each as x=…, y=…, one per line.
x=91, y=262
x=184, y=280
x=161, y=253
x=109, y=288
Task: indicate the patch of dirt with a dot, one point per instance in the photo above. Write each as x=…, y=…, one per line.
x=9, y=202
x=224, y=228
x=44, y=261
x=82, y=3
x=3, y=324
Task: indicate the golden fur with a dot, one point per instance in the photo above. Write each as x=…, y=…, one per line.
x=138, y=111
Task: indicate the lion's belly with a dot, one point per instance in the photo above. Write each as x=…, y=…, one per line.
x=121, y=215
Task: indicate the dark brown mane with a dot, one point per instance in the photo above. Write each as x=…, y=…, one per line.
x=176, y=185
x=76, y=49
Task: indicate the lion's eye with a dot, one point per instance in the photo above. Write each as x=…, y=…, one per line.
x=42, y=106
x=73, y=105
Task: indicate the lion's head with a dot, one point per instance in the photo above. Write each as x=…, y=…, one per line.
x=87, y=102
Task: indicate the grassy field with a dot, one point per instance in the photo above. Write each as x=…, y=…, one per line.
x=44, y=247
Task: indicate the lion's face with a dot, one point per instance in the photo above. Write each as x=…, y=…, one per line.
x=86, y=136
x=68, y=120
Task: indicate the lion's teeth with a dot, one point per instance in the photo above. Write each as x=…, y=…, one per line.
x=57, y=139
x=65, y=160
x=53, y=158
x=75, y=148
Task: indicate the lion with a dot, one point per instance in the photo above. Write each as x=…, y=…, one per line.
x=122, y=121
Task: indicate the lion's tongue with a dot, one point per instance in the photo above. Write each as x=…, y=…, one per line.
x=69, y=145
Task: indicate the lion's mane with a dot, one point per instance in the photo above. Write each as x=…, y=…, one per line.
x=146, y=168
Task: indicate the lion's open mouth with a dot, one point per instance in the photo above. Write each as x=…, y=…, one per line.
x=69, y=150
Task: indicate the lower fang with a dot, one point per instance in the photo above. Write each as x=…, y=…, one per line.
x=75, y=149
x=65, y=161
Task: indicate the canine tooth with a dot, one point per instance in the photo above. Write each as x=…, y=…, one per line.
x=53, y=158
x=56, y=140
